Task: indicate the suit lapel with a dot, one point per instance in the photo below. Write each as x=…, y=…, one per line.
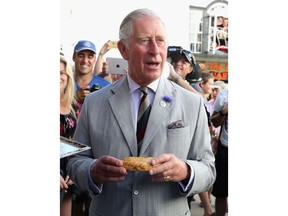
x=120, y=108
x=160, y=110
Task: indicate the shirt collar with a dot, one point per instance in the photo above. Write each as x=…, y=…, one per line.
x=134, y=86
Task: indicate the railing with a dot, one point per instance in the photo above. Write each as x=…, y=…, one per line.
x=219, y=40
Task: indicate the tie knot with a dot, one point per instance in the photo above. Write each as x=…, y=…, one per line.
x=143, y=89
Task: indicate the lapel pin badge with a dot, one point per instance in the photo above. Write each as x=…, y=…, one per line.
x=163, y=103
x=166, y=99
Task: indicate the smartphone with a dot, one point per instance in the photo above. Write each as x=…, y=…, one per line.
x=113, y=44
x=117, y=65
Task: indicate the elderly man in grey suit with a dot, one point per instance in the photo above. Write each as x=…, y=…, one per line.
x=177, y=135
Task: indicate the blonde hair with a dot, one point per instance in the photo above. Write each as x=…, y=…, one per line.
x=69, y=92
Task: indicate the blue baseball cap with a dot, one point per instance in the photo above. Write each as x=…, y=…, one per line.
x=84, y=45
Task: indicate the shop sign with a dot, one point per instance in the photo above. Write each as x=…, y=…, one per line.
x=219, y=70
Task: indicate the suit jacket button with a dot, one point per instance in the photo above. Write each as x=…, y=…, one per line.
x=136, y=192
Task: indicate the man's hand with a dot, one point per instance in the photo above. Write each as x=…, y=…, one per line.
x=82, y=92
x=171, y=169
x=107, y=169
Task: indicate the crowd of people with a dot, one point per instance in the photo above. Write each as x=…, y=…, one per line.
x=184, y=133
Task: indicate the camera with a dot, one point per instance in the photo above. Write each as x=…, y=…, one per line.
x=95, y=87
x=174, y=54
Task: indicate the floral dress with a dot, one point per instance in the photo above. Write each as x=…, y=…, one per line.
x=68, y=123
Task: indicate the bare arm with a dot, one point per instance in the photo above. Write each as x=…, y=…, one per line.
x=174, y=77
x=217, y=118
x=100, y=59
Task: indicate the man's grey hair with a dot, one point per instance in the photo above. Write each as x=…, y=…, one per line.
x=126, y=27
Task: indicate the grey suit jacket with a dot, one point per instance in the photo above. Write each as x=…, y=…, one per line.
x=106, y=124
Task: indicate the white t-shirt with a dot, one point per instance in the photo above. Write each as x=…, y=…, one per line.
x=220, y=102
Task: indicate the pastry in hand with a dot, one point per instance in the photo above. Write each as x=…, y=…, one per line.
x=138, y=163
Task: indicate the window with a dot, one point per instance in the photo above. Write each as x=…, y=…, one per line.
x=204, y=34
x=196, y=30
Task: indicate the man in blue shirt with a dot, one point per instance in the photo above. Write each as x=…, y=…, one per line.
x=84, y=57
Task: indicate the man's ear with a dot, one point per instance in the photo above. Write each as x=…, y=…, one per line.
x=73, y=57
x=123, y=50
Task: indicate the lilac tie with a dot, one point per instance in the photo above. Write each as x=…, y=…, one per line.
x=143, y=115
